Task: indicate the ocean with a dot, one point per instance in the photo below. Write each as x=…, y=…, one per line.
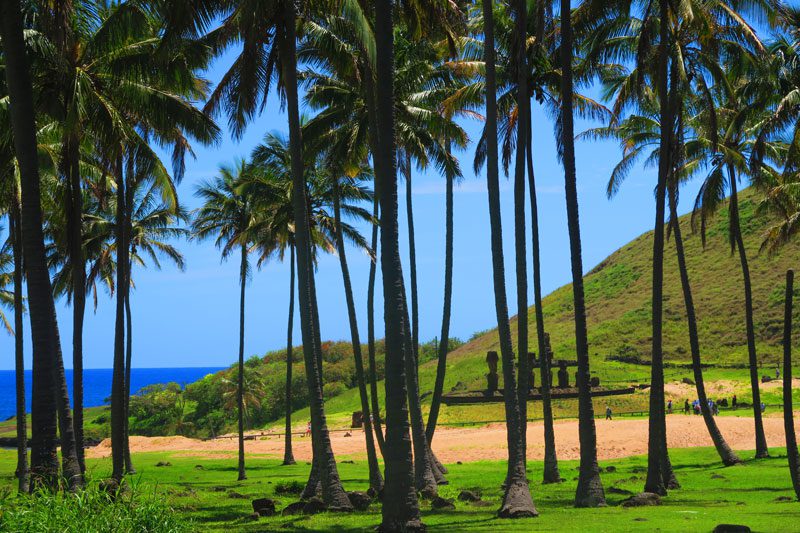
x=97, y=384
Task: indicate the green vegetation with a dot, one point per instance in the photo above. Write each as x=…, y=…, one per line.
x=200, y=489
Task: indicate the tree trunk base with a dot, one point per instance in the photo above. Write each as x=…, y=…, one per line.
x=412, y=526
x=288, y=461
x=517, y=502
x=762, y=454
x=590, y=491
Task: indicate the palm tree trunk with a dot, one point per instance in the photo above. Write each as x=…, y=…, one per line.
x=725, y=452
x=49, y=408
x=332, y=491
x=373, y=372
x=375, y=478
x=240, y=377
x=288, y=456
x=441, y=366
x=412, y=260
x=590, y=491
x=788, y=413
x=551, y=473
x=657, y=443
x=523, y=386
x=23, y=475
x=761, y=441
x=75, y=237
x=129, y=469
x=517, y=501
x=118, y=379
x=400, y=511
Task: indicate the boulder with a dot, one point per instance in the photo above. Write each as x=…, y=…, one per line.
x=617, y=490
x=731, y=528
x=359, y=500
x=469, y=496
x=442, y=504
x=236, y=495
x=314, y=505
x=687, y=381
x=643, y=499
x=163, y=463
x=766, y=379
x=611, y=468
x=113, y=488
x=293, y=508
x=264, y=506
x=373, y=493
x=255, y=516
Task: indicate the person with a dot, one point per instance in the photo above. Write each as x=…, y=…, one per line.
x=763, y=407
x=686, y=407
x=308, y=429
x=715, y=409
x=669, y=406
x=733, y=401
x=608, y=412
x=777, y=372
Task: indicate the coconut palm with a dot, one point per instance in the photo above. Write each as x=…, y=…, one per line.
x=227, y=217
x=49, y=387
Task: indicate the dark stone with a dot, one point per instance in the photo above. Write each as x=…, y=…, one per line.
x=218, y=489
x=199, y=467
x=359, y=500
x=640, y=519
x=314, y=505
x=357, y=420
x=594, y=381
x=563, y=375
x=784, y=499
x=731, y=528
x=255, y=516
x=459, y=463
x=293, y=508
x=687, y=381
x=264, y=506
x=163, y=463
x=717, y=476
x=442, y=504
x=617, y=490
x=112, y=488
x=236, y=496
x=643, y=499
x=469, y=496
x=347, y=462
x=373, y=493
x=766, y=379
x=483, y=503
x=611, y=468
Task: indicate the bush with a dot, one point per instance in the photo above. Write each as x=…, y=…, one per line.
x=89, y=511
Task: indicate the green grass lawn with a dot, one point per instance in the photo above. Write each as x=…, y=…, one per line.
x=204, y=490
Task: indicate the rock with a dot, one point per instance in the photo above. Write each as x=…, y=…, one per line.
x=199, y=467
x=611, y=469
x=483, y=503
x=717, y=476
x=255, y=516
x=642, y=499
x=293, y=508
x=687, y=381
x=264, y=506
x=163, y=463
x=594, y=381
x=731, y=528
x=218, y=489
x=112, y=488
x=347, y=462
x=766, y=379
x=784, y=499
x=236, y=495
x=348, y=434
x=640, y=519
x=359, y=500
x=372, y=493
x=469, y=496
x=617, y=490
x=314, y=505
x=442, y=504
x=459, y=463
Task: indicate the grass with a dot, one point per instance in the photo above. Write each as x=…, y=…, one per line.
x=203, y=490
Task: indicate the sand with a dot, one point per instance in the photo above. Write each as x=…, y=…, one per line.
x=615, y=438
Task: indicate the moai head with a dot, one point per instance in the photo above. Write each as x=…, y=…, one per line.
x=491, y=361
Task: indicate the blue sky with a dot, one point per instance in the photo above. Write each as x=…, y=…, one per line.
x=191, y=318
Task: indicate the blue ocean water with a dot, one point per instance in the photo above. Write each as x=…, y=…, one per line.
x=97, y=384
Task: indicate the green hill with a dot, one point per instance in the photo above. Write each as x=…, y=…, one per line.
x=618, y=312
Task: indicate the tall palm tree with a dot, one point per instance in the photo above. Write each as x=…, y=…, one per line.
x=50, y=393
x=590, y=491
x=227, y=216
x=517, y=501
x=788, y=412
x=267, y=29
x=288, y=456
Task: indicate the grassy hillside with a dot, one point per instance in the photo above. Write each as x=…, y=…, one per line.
x=618, y=312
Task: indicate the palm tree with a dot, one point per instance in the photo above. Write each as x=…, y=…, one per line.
x=517, y=501
x=267, y=30
x=788, y=412
x=288, y=456
x=50, y=393
x=590, y=491
x=227, y=216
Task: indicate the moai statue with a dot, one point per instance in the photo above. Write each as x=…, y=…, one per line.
x=563, y=375
x=531, y=368
x=491, y=377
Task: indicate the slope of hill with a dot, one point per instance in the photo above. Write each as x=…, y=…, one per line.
x=618, y=305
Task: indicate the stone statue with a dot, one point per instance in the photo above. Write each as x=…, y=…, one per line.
x=563, y=375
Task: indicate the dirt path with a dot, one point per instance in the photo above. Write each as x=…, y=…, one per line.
x=615, y=438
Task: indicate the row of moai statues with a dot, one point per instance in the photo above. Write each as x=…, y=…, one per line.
x=493, y=378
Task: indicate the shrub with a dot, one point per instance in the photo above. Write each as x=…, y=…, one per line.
x=89, y=511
